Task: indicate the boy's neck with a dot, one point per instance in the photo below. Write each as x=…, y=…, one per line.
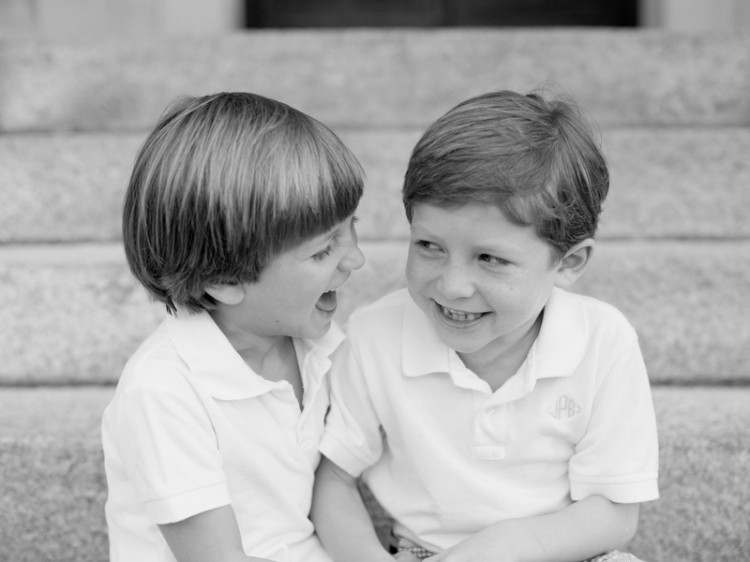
x=256, y=350
x=271, y=357
x=499, y=361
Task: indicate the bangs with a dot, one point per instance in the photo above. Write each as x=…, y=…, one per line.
x=308, y=182
x=222, y=185
x=321, y=186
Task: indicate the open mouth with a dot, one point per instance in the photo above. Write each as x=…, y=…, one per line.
x=459, y=316
x=327, y=302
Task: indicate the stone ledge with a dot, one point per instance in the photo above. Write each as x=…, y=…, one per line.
x=82, y=313
x=628, y=77
x=54, y=489
x=68, y=188
x=52, y=474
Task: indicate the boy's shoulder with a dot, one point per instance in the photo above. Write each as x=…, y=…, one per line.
x=153, y=374
x=387, y=308
x=599, y=317
x=156, y=354
x=605, y=311
x=383, y=318
x=577, y=326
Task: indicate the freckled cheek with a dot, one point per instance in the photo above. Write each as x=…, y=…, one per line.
x=419, y=274
x=517, y=300
x=412, y=279
x=412, y=269
x=503, y=297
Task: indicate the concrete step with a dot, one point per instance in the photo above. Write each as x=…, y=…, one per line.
x=674, y=254
x=69, y=187
x=388, y=78
x=52, y=475
x=73, y=313
x=54, y=488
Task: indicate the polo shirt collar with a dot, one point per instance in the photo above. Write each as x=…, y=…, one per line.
x=561, y=344
x=557, y=351
x=320, y=349
x=216, y=364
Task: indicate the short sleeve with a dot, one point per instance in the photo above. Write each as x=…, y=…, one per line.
x=618, y=456
x=170, y=451
x=352, y=437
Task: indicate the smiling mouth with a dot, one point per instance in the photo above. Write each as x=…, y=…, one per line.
x=459, y=315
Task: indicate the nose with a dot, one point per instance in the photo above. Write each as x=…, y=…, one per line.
x=454, y=282
x=353, y=258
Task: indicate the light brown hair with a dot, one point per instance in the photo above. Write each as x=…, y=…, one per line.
x=534, y=158
x=222, y=185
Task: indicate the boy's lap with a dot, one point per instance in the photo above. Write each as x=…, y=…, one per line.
x=405, y=546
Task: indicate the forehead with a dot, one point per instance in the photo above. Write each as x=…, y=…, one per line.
x=473, y=217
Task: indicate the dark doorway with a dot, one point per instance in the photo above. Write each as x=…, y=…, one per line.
x=440, y=13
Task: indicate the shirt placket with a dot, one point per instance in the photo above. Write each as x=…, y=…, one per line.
x=489, y=431
x=313, y=371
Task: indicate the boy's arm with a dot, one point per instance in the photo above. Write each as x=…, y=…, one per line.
x=341, y=518
x=212, y=535
x=586, y=528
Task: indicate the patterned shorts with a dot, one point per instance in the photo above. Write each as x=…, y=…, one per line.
x=402, y=544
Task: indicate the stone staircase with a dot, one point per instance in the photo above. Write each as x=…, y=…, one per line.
x=674, y=251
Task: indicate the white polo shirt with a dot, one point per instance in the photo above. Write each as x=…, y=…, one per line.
x=191, y=428
x=447, y=457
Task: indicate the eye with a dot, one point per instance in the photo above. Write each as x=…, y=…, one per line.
x=343, y=230
x=493, y=260
x=324, y=253
x=427, y=246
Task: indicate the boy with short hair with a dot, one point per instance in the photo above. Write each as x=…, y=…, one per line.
x=493, y=414
x=239, y=219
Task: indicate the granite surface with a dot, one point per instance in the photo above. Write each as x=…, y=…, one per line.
x=73, y=313
x=665, y=183
x=377, y=78
x=54, y=487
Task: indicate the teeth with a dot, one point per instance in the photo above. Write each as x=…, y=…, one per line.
x=459, y=316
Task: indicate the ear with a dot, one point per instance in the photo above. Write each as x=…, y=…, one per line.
x=573, y=264
x=227, y=294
